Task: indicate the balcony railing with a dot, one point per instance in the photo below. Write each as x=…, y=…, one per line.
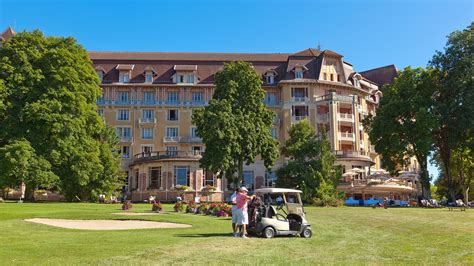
x=297, y=118
x=191, y=140
x=346, y=136
x=147, y=120
x=126, y=139
x=345, y=117
x=323, y=118
x=171, y=139
x=158, y=155
x=300, y=99
x=151, y=103
x=346, y=153
x=335, y=97
x=270, y=103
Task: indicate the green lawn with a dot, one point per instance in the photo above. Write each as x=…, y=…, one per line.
x=340, y=235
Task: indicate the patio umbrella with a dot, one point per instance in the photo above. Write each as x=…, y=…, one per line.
x=350, y=173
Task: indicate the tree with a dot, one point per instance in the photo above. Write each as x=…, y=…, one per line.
x=453, y=106
x=49, y=94
x=20, y=164
x=311, y=164
x=403, y=125
x=236, y=125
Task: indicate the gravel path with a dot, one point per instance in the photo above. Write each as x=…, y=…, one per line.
x=106, y=224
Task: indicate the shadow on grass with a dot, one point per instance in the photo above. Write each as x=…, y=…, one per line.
x=205, y=235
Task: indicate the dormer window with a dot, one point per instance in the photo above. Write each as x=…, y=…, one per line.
x=190, y=78
x=125, y=72
x=124, y=77
x=270, y=76
x=270, y=79
x=298, y=74
x=149, y=77
x=100, y=74
x=185, y=74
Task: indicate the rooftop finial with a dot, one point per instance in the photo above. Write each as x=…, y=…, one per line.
x=319, y=46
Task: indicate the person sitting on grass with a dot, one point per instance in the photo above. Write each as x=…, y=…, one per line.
x=242, y=214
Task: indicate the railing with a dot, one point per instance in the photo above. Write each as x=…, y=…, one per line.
x=152, y=103
x=323, y=117
x=147, y=120
x=300, y=99
x=346, y=136
x=335, y=97
x=171, y=139
x=191, y=140
x=346, y=153
x=345, y=117
x=126, y=139
x=270, y=103
x=157, y=155
x=297, y=118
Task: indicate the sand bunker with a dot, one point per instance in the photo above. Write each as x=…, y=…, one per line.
x=106, y=224
x=135, y=213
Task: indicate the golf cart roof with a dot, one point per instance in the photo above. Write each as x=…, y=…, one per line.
x=277, y=190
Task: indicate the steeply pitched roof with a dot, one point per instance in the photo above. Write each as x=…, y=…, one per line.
x=308, y=52
x=7, y=34
x=381, y=75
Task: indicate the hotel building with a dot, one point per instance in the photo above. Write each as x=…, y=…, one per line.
x=149, y=98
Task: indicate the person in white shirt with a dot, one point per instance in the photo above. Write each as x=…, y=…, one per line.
x=233, y=202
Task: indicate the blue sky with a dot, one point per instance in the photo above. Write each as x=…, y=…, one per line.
x=369, y=33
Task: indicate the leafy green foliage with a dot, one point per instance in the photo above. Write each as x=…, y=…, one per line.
x=403, y=125
x=236, y=125
x=311, y=165
x=48, y=98
x=453, y=105
x=19, y=163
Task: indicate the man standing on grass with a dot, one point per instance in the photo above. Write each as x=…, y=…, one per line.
x=233, y=202
x=242, y=214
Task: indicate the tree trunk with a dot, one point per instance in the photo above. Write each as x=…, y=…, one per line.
x=240, y=175
x=424, y=177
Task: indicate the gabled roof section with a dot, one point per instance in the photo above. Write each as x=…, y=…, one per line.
x=381, y=75
x=329, y=52
x=7, y=34
x=308, y=52
x=125, y=67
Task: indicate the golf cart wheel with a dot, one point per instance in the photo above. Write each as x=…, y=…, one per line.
x=307, y=233
x=268, y=232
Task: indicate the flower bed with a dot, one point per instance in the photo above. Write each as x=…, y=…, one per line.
x=214, y=209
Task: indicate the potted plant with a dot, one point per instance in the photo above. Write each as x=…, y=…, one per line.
x=127, y=205
x=209, y=188
x=157, y=207
x=179, y=206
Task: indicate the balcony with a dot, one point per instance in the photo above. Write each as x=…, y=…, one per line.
x=323, y=118
x=126, y=139
x=345, y=117
x=190, y=140
x=299, y=99
x=270, y=103
x=297, y=118
x=197, y=103
x=171, y=139
x=353, y=155
x=346, y=136
x=162, y=155
x=147, y=120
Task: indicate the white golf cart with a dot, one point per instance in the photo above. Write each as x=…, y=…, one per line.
x=278, y=211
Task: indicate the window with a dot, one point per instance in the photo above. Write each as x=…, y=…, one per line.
x=180, y=78
x=332, y=77
x=135, y=184
x=270, y=98
x=181, y=175
x=208, y=179
x=197, y=96
x=173, y=97
x=149, y=77
x=171, y=150
x=147, y=133
x=155, y=178
x=274, y=133
x=100, y=98
x=270, y=79
x=325, y=76
x=339, y=78
x=124, y=77
x=148, y=96
x=298, y=74
x=194, y=132
x=248, y=180
x=191, y=79
x=124, y=132
x=125, y=188
x=148, y=114
x=123, y=96
x=270, y=179
x=173, y=115
x=100, y=112
x=123, y=115
x=100, y=74
x=125, y=152
x=171, y=132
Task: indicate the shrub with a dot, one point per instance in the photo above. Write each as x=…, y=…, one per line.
x=179, y=206
x=181, y=188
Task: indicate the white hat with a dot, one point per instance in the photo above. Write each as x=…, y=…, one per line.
x=244, y=189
